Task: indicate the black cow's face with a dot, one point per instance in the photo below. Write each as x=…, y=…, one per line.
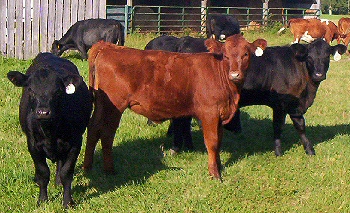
x=317, y=57
x=55, y=48
x=45, y=90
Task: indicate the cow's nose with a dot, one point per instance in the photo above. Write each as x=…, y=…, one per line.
x=43, y=113
x=234, y=75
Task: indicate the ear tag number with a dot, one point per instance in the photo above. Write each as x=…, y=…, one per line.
x=259, y=52
x=70, y=89
x=337, y=56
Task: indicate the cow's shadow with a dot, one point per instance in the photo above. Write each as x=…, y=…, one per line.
x=141, y=158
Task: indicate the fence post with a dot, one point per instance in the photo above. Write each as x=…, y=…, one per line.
x=204, y=11
x=126, y=19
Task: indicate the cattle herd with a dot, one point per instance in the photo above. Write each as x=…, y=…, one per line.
x=172, y=78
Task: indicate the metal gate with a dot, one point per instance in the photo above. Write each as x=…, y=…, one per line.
x=176, y=19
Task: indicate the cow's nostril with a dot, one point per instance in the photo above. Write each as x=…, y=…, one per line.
x=43, y=113
x=234, y=75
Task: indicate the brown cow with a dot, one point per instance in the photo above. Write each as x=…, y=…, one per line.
x=311, y=29
x=202, y=85
x=344, y=31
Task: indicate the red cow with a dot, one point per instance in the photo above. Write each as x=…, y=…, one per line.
x=163, y=85
x=311, y=29
x=344, y=30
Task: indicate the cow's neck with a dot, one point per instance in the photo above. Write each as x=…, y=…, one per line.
x=309, y=94
x=232, y=90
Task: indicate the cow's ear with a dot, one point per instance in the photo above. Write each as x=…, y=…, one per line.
x=214, y=46
x=258, y=47
x=71, y=82
x=338, y=50
x=300, y=51
x=17, y=78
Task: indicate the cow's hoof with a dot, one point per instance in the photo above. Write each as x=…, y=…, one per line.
x=174, y=150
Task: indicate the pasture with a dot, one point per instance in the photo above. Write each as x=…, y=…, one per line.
x=150, y=179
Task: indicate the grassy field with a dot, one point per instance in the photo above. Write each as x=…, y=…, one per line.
x=151, y=180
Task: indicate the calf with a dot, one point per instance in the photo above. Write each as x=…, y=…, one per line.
x=179, y=127
x=164, y=85
x=83, y=34
x=222, y=26
x=311, y=29
x=286, y=79
x=344, y=30
x=54, y=111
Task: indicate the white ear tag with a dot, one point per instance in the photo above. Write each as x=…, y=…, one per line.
x=337, y=56
x=259, y=51
x=70, y=89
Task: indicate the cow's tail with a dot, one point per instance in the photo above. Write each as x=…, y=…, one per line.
x=286, y=25
x=93, y=74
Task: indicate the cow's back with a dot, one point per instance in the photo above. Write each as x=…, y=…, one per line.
x=154, y=80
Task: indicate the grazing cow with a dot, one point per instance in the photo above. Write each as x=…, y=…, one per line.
x=54, y=111
x=344, y=30
x=311, y=29
x=222, y=26
x=83, y=34
x=162, y=85
x=286, y=79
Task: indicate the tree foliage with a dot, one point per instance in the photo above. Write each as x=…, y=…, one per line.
x=337, y=6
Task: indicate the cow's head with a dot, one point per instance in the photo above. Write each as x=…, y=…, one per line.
x=56, y=48
x=235, y=53
x=317, y=57
x=45, y=90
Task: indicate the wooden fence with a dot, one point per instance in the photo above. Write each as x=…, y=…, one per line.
x=28, y=27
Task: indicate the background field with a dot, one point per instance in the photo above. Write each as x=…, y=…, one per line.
x=149, y=180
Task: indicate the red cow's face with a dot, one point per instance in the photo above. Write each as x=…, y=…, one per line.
x=236, y=54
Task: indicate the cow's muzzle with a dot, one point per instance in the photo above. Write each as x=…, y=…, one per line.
x=43, y=113
x=317, y=77
x=235, y=76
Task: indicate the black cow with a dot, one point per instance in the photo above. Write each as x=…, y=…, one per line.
x=54, y=111
x=164, y=42
x=222, y=26
x=83, y=34
x=285, y=79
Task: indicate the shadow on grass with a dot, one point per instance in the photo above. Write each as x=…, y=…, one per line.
x=136, y=161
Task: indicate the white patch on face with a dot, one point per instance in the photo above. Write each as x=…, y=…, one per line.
x=259, y=52
x=70, y=89
x=222, y=36
x=337, y=56
x=306, y=37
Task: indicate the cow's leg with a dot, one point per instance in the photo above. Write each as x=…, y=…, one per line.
x=82, y=48
x=67, y=171
x=212, y=132
x=299, y=124
x=182, y=133
x=42, y=173
x=279, y=119
x=103, y=125
x=235, y=124
x=187, y=133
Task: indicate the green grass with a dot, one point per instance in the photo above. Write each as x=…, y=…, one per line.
x=149, y=180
